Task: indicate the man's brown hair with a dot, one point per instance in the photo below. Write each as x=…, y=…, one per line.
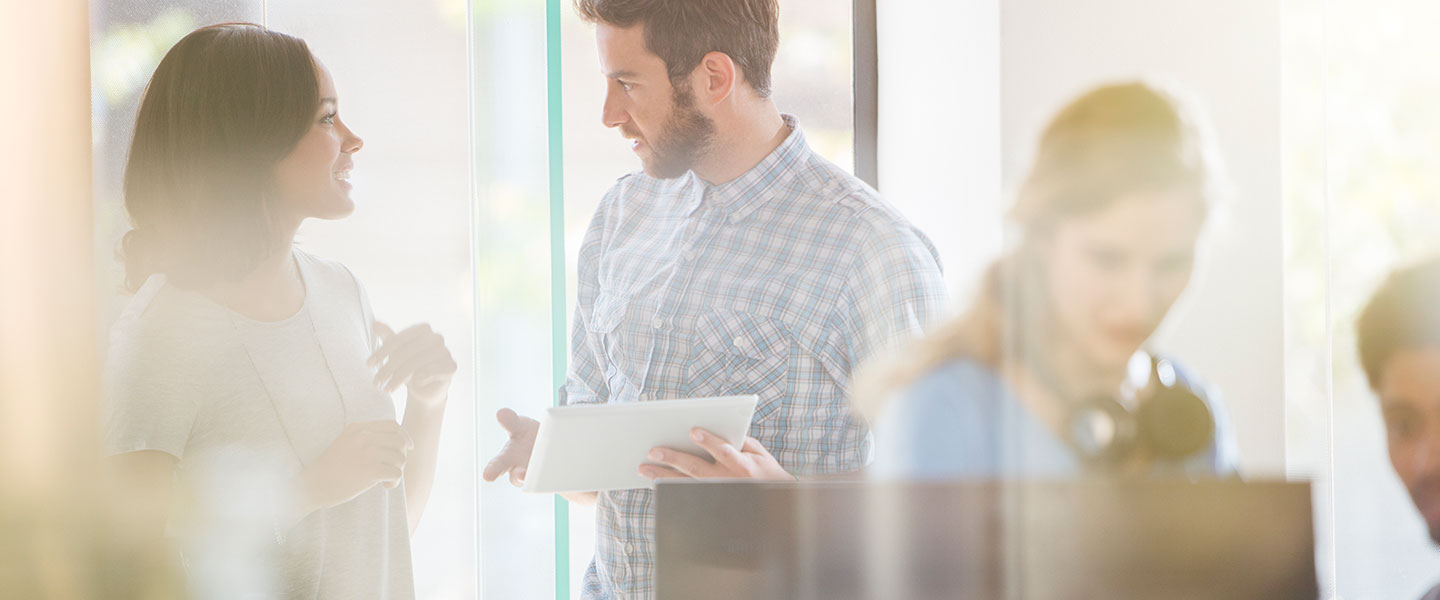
x=1403, y=314
x=682, y=32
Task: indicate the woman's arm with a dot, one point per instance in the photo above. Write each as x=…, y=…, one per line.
x=417, y=359
x=422, y=421
x=143, y=489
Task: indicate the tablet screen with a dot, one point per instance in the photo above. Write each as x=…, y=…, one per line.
x=597, y=447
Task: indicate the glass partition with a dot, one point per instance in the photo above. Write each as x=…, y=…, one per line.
x=485, y=158
x=1360, y=195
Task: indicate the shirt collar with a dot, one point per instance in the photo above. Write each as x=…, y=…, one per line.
x=739, y=197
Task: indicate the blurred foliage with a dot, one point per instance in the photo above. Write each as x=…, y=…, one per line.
x=124, y=56
x=1364, y=145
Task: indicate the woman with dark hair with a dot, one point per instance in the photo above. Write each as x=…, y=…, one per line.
x=246, y=370
x=1047, y=374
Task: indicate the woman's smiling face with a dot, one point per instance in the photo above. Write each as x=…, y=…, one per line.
x=312, y=181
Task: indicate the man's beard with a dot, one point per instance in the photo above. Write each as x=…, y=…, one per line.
x=683, y=141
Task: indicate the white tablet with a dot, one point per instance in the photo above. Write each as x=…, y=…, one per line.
x=597, y=447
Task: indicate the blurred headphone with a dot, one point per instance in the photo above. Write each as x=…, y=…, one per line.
x=1165, y=420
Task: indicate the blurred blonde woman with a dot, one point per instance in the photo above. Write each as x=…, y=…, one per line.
x=1047, y=373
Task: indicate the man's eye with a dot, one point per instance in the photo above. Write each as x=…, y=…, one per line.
x=626, y=86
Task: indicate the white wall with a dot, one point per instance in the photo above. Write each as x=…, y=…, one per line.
x=940, y=127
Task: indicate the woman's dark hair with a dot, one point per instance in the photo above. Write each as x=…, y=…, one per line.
x=226, y=103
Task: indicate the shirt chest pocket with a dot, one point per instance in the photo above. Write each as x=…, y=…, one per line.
x=735, y=353
x=618, y=354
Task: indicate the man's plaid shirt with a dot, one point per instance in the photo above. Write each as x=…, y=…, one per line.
x=778, y=283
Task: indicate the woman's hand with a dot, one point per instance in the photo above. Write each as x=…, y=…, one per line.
x=365, y=454
x=415, y=358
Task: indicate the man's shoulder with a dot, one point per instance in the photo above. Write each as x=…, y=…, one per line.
x=882, y=235
x=827, y=182
x=875, y=222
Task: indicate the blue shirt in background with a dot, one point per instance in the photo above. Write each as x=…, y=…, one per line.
x=961, y=421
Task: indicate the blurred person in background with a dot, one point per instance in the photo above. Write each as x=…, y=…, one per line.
x=248, y=405
x=1398, y=338
x=1047, y=374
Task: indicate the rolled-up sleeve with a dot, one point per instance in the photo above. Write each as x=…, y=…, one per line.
x=894, y=292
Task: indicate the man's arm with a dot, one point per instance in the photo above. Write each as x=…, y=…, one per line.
x=582, y=498
x=896, y=292
x=585, y=382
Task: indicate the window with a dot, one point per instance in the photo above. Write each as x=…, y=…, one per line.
x=1360, y=190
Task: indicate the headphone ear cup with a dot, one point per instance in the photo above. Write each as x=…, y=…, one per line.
x=1175, y=423
x=1101, y=432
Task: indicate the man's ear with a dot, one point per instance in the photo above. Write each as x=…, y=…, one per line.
x=715, y=78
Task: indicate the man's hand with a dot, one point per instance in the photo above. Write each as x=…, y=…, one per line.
x=515, y=456
x=751, y=461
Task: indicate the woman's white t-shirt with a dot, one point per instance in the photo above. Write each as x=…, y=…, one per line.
x=244, y=405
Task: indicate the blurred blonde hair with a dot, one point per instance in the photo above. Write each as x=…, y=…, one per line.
x=1111, y=141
